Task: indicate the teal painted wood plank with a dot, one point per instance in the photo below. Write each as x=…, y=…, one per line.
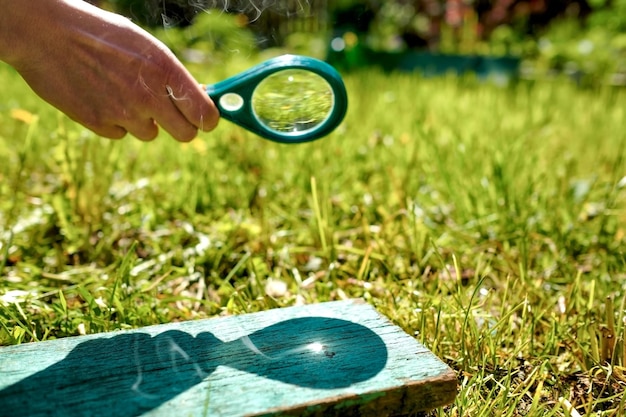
x=331, y=359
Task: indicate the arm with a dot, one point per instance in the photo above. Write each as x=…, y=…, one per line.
x=102, y=70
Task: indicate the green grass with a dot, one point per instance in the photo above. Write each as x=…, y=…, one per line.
x=489, y=222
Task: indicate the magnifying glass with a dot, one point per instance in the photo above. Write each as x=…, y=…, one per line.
x=287, y=99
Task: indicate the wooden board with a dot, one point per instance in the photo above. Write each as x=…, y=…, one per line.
x=331, y=359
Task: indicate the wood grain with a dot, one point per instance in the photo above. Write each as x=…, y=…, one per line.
x=331, y=359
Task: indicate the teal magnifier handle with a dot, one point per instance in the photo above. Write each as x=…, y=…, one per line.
x=287, y=99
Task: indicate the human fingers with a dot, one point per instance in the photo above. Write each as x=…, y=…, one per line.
x=167, y=93
x=143, y=129
x=169, y=118
x=116, y=124
x=109, y=131
x=182, y=131
x=193, y=103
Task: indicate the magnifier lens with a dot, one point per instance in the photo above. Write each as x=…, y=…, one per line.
x=293, y=101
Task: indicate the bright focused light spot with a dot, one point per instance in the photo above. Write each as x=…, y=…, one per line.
x=316, y=347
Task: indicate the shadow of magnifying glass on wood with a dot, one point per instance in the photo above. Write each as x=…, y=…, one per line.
x=130, y=374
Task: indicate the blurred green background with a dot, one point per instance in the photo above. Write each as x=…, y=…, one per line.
x=583, y=40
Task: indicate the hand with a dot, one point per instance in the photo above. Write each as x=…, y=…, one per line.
x=102, y=70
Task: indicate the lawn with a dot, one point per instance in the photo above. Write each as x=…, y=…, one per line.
x=489, y=222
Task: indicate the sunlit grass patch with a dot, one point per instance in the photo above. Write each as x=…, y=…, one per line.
x=489, y=222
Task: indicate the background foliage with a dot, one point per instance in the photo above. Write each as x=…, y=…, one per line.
x=584, y=39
